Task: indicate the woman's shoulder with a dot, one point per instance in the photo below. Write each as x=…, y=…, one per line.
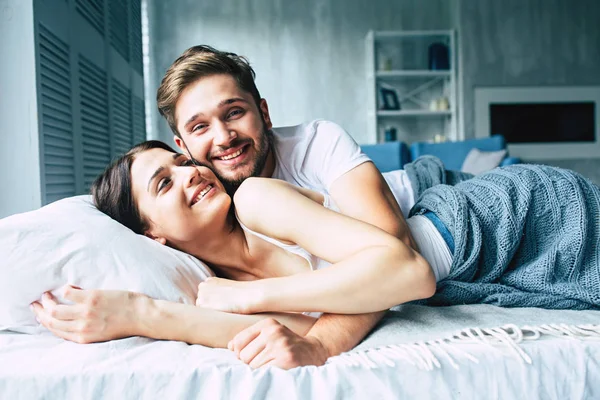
x=260, y=190
x=262, y=202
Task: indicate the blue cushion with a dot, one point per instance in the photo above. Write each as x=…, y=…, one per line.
x=387, y=156
x=510, y=161
x=453, y=154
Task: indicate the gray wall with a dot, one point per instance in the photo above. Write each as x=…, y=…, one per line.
x=310, y=61
x=527, y=43
x=19, y=146
x=309, y=55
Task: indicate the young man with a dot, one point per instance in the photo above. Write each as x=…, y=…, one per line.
x=215, y=111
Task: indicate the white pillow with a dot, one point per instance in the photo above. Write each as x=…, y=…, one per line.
x=477, y=162
x=70, y=241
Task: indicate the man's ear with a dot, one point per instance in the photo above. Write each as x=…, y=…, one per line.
x=264, y=110
x=179, y=143
x=159, y=239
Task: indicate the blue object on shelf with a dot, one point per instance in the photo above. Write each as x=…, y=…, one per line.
x=439, y=57
x=390, y=134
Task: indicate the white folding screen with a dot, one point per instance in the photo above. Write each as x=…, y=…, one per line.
x=90, y=89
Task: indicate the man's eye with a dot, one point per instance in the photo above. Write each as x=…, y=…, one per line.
x=188, y=163
x=163, y=184
x=235, y=113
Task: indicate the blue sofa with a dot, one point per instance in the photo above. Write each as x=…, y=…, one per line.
x=391, y=156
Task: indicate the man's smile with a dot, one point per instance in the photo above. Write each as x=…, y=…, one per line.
x=233, y=156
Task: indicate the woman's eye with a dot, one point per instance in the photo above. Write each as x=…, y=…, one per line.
x=198, y=127
x=163, y=184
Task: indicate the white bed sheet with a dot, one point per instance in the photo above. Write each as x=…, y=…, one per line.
x=45, y=367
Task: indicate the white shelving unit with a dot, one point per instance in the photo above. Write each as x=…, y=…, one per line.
x=398, y=60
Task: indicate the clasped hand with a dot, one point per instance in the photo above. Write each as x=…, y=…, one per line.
x=230, y=296
x=94, y=316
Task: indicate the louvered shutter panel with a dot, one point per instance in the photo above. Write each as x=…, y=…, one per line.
x=94, y=120
x=90, y=89
x=56, y=123
x=93, y=12
x=136, y=37
x=119, y=26
x=121, y=127
x=139, y=120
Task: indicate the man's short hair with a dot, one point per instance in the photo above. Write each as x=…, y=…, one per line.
x=198, y=62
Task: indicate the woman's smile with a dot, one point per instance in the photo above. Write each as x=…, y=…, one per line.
x=202, y=192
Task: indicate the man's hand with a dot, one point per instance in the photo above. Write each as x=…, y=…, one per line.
x=95, y=316
x=229, y=296
x=269, y=343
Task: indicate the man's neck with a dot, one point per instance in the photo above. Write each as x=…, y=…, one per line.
x=269, y=168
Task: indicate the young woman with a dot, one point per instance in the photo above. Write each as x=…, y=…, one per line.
x=275, y=230
x=518, y=236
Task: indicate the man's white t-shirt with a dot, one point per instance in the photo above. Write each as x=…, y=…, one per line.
x=313, y=155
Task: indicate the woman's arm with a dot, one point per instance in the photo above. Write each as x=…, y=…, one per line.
x=372, y=270
x=101, y=315
x=197, y=325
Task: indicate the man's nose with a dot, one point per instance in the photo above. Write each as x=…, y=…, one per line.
x=223, y=136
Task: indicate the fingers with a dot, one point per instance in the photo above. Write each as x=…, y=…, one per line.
x=253, y=349
x=74, y=293
x=60, y=311
x=71, y=336
x=242, y=339
x=271, y=363
x=51, y=323
x=262, y=358
x=60, y=319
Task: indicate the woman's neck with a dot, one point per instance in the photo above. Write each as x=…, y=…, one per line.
x=226, y=251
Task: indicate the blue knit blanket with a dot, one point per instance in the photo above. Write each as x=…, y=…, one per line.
x=429, y=171
x=524, y=235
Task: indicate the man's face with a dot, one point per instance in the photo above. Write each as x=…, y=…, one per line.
x=224, y=129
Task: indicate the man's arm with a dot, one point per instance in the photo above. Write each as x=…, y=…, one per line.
x=361, y=193
x=339, y=333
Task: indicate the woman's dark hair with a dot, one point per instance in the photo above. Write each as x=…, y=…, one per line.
x=112, y=191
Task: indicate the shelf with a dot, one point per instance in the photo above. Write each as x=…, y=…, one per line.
x=413, y=73
x=413, y=113
x=416, y=86
x=408, y=34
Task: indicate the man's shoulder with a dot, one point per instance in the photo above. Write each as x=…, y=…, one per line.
x=307, y=130
x=295, y=131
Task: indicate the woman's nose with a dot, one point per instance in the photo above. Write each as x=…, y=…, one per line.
x=191, y=176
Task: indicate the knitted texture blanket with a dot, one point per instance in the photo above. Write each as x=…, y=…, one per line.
x=429, y=171
x=524, y=235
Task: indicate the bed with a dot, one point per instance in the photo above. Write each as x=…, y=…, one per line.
x=475, y=351
x=395, y=361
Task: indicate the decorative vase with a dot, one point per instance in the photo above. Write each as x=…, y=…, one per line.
x=439, y=57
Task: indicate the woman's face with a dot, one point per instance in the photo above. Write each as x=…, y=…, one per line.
x=182, y=202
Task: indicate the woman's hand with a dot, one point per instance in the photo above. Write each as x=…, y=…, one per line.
x=95, y=316
x=230, y=296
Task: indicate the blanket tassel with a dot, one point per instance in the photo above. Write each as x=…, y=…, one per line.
x=426, y=355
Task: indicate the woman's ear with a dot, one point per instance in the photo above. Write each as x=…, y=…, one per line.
x=159, y=239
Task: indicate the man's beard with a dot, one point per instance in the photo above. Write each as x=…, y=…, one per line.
x=265, y=145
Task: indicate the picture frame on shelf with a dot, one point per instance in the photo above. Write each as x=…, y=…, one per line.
x=389, y=99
